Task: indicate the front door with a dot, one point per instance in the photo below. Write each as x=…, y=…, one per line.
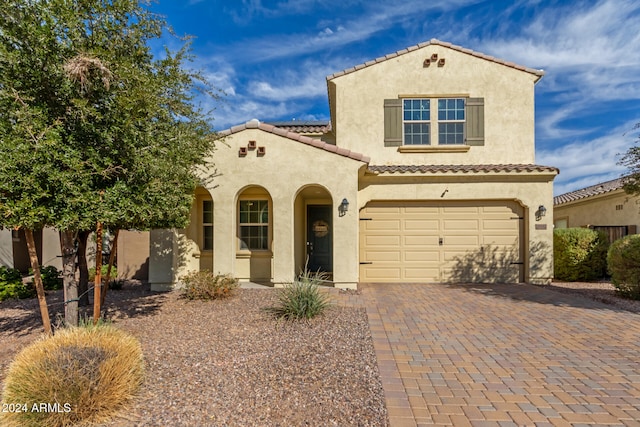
x=319, y=238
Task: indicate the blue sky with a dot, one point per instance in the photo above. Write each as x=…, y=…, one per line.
x=271, y=59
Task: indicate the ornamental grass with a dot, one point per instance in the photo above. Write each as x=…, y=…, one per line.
x=79, y=376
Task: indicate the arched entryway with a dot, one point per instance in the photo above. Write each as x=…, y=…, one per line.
x=313, y=225
x=254, y=236
x=201, y=228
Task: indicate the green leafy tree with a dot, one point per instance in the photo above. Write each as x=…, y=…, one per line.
x=95, y=130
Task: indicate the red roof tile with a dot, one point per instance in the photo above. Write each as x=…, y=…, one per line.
x=538, y=73
x=460, y=168
x=255, y=124
x=593, y=190
x=304, y=126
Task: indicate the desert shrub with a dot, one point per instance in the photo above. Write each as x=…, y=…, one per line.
x=579, y=254
x=623, y=261
x=302, y=299
x=103, y=272
x=85, y=375
x=205, y=285
x=12, y=287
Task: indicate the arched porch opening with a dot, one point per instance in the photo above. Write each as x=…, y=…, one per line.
x=254, y=234
x=201, y=227
x=313, y=230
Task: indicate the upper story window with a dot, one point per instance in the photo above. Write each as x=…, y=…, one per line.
x=254, y=224
x=417, y=118
x=433, y=121
x=451, y=121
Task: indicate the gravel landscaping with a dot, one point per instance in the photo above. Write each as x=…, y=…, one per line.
x=229, y=363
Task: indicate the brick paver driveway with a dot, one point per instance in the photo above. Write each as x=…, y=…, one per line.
x=507, y=355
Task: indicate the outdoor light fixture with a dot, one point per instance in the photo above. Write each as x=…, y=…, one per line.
x=344, y=207
x=542, y=211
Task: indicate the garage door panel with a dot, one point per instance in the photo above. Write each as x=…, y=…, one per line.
x=460, y=224
x=422, y=256
x=422, y=274
x=505, y=240
x=382, y=240
x=500, y=224
x=420, y=240
x=419, y=225
x=462, y=240
x=384, y=256
x=383, y=224
x=441, y=241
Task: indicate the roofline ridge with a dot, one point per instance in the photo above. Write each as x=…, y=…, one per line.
x=266, y=127
x=449, y=45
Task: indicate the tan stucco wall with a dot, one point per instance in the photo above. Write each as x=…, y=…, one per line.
x=529, y=190
x=133, y=254
x=601, y=210
x=285, y=170
x=357, y=102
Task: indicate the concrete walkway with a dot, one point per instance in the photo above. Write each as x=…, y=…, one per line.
x=502, y=355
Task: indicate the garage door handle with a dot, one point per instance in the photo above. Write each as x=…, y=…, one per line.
x=365, y=262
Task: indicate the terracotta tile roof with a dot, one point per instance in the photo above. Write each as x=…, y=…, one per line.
x=594, y=190
x=460, y=168
x=538, y=73
x=300, y=126
x=255, y=124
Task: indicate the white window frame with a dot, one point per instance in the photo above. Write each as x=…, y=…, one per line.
x=207, y=227
x=245, y=246
x=435, y=123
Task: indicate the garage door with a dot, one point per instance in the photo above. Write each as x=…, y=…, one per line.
x=475, y=242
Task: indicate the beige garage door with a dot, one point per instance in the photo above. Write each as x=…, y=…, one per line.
x=475, y=242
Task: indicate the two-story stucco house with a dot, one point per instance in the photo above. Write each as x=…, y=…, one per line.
x=425, y=173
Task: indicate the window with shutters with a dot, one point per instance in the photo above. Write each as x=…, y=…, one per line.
x=416, y=117
x=451, y=121
x=413, y=121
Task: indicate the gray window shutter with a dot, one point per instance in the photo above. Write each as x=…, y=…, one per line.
x=475, y=121
x=392, y=122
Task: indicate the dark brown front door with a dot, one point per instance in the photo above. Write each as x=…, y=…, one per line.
x=319, y=238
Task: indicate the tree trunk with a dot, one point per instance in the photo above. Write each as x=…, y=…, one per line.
x=67, y=246
x=37, y=279
x=97, y=282
x=83, y=268
x=112, y=258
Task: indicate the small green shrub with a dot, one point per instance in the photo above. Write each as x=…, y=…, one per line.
x=302, y=299
x=9, y=274
x=205, y=285
x=51, y=279
x=12, y=287
x=623, y=261
x=85, y=374
x=17, y=290
x=579, y=254
x=103, y=272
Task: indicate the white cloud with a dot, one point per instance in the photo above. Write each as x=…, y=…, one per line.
x=590, y=161
x=588, y=51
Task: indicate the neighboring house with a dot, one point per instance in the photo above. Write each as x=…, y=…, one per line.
x=425, y=173
x=132, y=259
x=14, y=253
x=605, y=206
